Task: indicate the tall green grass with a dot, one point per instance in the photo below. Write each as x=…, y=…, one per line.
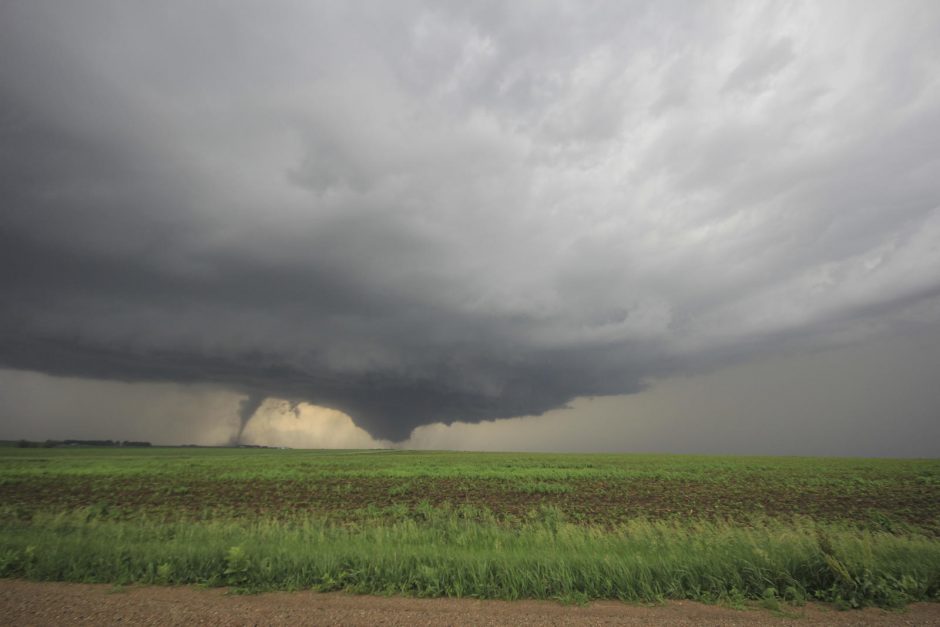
x=464, y=554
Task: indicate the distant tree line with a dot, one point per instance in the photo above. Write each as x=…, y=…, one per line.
x=56, y=443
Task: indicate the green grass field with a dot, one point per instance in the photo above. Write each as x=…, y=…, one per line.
x=853, y=532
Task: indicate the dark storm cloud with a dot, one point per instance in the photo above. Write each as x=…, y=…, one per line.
x=438, y=212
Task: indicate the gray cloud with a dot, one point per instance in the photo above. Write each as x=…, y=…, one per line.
x=878, y=399
x=434, y=212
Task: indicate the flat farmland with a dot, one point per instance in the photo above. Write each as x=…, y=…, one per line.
x=351, y=485
x=853, y=532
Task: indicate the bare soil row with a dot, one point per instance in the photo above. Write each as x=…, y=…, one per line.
x=31, y=603
x=581, y=500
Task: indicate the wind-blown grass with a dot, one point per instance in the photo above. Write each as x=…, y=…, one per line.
x=462, y=554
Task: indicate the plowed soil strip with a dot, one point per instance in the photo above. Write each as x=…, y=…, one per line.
x=590, y=501
x=28, y=603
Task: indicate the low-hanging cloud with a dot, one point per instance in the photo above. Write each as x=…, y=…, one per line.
x=438, y=212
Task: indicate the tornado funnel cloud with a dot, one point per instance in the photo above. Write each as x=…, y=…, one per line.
x=246, y=409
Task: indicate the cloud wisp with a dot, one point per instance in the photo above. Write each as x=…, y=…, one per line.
x=440, y=212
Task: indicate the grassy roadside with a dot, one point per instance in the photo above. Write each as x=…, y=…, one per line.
x=450, y=553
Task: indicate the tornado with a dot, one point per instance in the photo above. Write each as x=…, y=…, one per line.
x=246, y=409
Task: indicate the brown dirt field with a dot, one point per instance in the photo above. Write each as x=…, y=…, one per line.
x=24, y=603
x=593, y=501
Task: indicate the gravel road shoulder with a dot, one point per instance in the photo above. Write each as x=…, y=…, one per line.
x=29, y=603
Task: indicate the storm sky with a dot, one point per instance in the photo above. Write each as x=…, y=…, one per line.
x=412, y=213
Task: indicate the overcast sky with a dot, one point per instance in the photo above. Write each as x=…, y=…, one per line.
x=336, y=223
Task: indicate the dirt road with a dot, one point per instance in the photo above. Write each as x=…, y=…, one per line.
x=26, y=603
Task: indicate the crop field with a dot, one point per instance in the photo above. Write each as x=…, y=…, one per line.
x=854, y=532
